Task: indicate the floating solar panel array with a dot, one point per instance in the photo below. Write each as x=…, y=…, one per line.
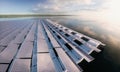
x=76, y=46
x=45, y=46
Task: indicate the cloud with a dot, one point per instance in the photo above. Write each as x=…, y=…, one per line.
x=65, y=5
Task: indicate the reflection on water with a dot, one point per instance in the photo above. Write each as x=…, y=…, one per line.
x=109, y=59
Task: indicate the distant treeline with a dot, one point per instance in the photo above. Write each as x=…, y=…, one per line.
x=33, y=15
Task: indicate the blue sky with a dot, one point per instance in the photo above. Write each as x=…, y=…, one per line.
x=48, y=6
x=18, y=6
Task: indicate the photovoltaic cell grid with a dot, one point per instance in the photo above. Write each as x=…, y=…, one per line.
x=45, y=46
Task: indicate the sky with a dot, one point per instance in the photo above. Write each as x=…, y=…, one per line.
x=91, y=9
x=48, y=6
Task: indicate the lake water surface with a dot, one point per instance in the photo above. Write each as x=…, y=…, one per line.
x=104, y=31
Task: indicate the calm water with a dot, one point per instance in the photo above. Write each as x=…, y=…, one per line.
x=109, y=59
